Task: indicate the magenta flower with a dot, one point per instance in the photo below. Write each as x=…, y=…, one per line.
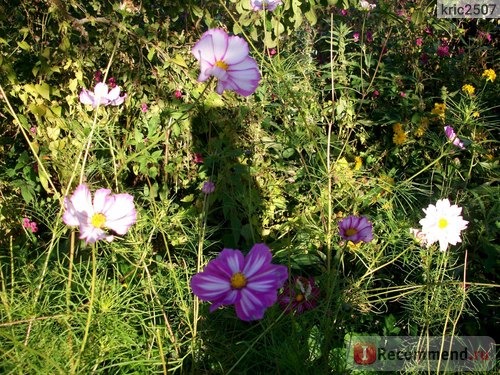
x=226, y=57
x=248, y=282
x=144, y=107
x=107, y=211
x=299, y=295
x=198, y=158
x=356, y=229
x=269, y=5
x=98, y=76
x=450, y=134
x=177, y=94
x=355, y=36
x=102, y=96
x=369, y=37
x=443, y=50
x=419, y=42
x=208, y=187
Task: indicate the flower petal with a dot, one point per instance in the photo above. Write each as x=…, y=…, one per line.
x=120, y=213
x=257, y=258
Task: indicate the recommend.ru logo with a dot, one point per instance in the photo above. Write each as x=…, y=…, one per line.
x=434, y=353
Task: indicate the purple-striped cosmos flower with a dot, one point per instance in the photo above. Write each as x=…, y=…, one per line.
x=356, y=229
x=94, y=218
x=299, y=295
x=451, y=135
x=226, y=57
x=248, y=282
x=102, y=96
x=269, y=5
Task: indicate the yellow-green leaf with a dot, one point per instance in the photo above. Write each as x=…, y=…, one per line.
x=179, y=60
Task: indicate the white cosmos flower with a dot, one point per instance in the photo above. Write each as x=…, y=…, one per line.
x=443, y=222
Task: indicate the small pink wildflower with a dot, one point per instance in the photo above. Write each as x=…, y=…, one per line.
x=177, y=94
x=419, y=42
x=144, y=107
x=31, y=225
x=355, y=36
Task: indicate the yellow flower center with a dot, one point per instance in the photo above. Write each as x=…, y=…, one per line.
x=238, y=280
x=442, y=223
x=221, y=64
x=299, y=297
x=98, y=220
x=351, y=232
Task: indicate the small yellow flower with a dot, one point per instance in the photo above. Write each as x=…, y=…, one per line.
x=397, y=127
x=489, y=74
x=439, y=110
x=424, y=124
x=399, y=138
x=469, y=89
x=358, y=163
x=475, y=114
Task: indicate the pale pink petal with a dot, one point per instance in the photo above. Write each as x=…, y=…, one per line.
x=237, y=50
x=78, y=206
x=119, y=100
x=91, y=234
x=114, y=93
x=204, y=50
x=86, y=97
x=121, y=214
x=100, y=197
x=101, y=90
x=220, y=41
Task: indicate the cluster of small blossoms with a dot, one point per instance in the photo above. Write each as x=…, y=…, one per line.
x=422, y=127
x=439, y=110
x=30, y=225
x=489, y=74
x=399, y=136
x=468, y=89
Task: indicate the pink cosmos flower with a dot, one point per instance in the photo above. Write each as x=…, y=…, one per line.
x=102, y=96
x=269, y=5
x=107, y=211
x=248, y=282
x=450, y=134
x=299, y=295
x=226, y=57
x=355, y=36
x=356, y=229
